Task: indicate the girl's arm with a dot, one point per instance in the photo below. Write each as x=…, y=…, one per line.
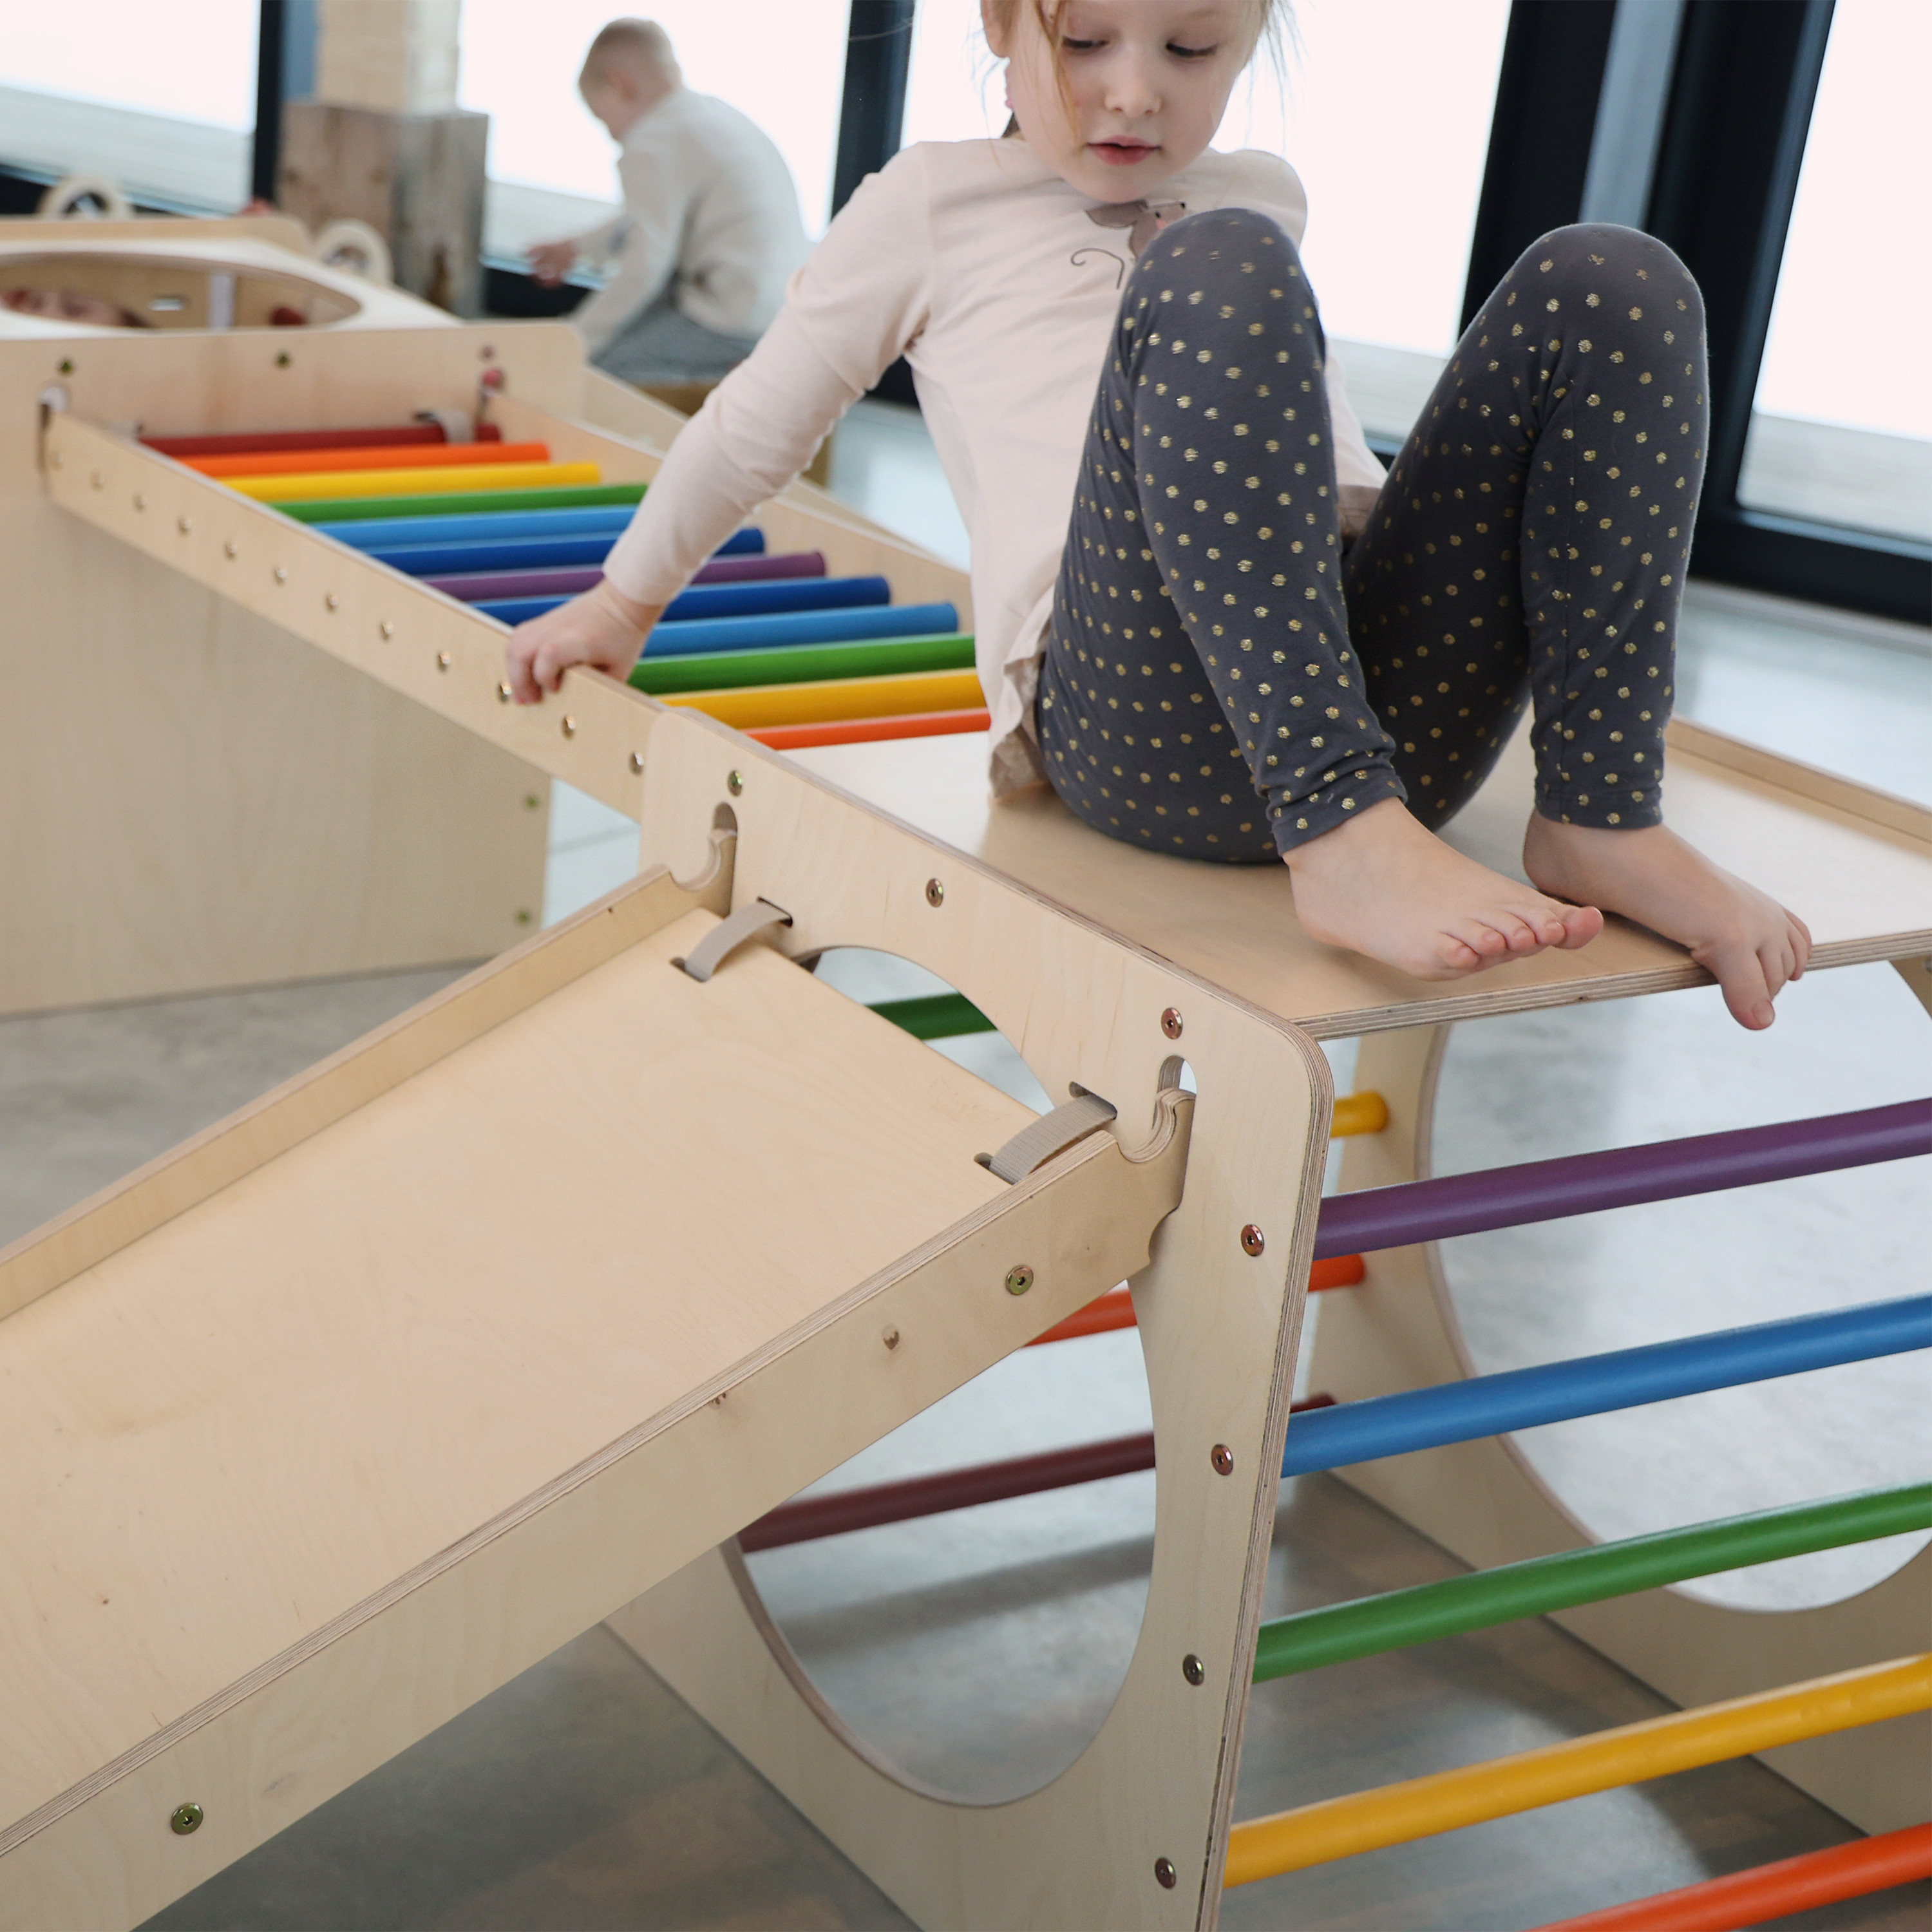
x=860, y=299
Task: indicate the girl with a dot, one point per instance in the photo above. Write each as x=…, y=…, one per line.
x=1245, y=643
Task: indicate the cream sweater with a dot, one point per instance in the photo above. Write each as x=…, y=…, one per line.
x=710, y=213
x=979, y=264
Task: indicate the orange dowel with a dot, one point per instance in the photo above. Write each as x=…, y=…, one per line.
x=1772, y=1891
x=409, y=456
x=866, y=730
x=1115, y=1308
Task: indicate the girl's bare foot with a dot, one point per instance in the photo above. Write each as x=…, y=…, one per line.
x=1379, y=884
x=1747, y=941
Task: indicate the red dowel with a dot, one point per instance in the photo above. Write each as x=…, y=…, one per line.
x=1774, y=1891
x=877, y=1503
x=406, y=435
x=865, y=730
x=1115, y=1308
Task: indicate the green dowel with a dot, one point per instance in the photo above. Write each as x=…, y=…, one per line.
x=935, y=1016
x=1373, y=1625
x=457, y=503
x=799, y=664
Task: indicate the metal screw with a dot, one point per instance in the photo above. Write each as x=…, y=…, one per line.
x=385, y=629
x=1222, y=1458
x=184, y=1819
x=569, y=726
x=230, y=548
x=734, y=783
x=283, y=360
x=281, y=575
x=524, y=915
x=66, y=365
x=531, y=801
x=1164, y=1874
x=1019, y=1279
x=443, y=661
x=935, y=892
x=637, y=761
x=330, y=602
x=1193, y=1669
x=183, y=524
x=98, y=481
x=56, y=461
x=503, y=694
x=485, y=353
x=891, y=1338
x=1170, y=1023
x=140, y=501
x=1252, y=1240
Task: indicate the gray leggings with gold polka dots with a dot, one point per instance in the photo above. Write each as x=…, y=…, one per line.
x=1224, y=681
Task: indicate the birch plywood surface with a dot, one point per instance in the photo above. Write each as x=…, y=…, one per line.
x=226, y=1435
x=1856, y=866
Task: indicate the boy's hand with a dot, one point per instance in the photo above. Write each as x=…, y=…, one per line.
x=550, y=261
x=600, y=628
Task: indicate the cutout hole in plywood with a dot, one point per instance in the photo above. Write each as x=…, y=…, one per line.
x=977, y=1651
x=1570, y=1079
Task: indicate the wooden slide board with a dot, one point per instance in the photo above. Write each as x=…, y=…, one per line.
x=322, y=1427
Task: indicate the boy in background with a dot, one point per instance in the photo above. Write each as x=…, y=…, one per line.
x=709, y=235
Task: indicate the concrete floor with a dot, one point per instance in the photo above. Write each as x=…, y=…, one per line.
x=980, y=1650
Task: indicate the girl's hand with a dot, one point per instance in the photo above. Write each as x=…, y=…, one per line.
x=601, y=629
x=550, y=261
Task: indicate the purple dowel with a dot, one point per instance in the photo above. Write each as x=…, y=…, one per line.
x=1584, y=1183
x=477, y=586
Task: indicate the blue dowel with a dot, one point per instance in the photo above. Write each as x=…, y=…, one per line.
x=391, y=532
x=1394, y=1425
x=418, y=554
x=753, y=633
x=707, y=600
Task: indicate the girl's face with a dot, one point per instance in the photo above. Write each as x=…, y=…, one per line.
x=1137, y=89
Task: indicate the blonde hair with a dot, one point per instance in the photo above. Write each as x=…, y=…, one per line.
x=1274, y=19
x=630, y=44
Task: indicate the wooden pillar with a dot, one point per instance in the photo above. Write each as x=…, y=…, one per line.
x=384, y=141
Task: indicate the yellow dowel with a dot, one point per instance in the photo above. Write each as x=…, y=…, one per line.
x=410, y=482
x=1360, y=1113
x=1339, y=1827
x=837, y=698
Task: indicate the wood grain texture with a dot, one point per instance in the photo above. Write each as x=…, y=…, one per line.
x=1484, y=1501
x=189, y=799
x=1861, y=879
x=327, y=1453
x=1218, y=1329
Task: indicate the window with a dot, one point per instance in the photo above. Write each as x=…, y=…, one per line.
x=553, y=170
x=117, y=87
x=1842, y=430
x=1383, y=108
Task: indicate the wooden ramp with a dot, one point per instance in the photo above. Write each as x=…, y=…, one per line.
x=324, y=1425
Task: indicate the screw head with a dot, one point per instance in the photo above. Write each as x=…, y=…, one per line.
x=281, y=575
x=890, y=1338
x=184, y=1819
x=283, y=360
x=1170, y=1023
x=97, y=482
x=1193, y=1669
x=183, y=524
x=1019, y=1279
x=734, y=783
x=503, y=694
x=231, y=548
x=525, y=917
x=330, y=602
x=386, y=630
x=1222, y=1458
x=443, y=661
x=637, y=761
x=935, y=892
x=1252, y=1240
x=140, y=501
x=66, y=365
x=1164, y=1874
x=531, y=801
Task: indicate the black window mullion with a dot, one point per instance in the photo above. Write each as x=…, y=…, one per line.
x=872, y=116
